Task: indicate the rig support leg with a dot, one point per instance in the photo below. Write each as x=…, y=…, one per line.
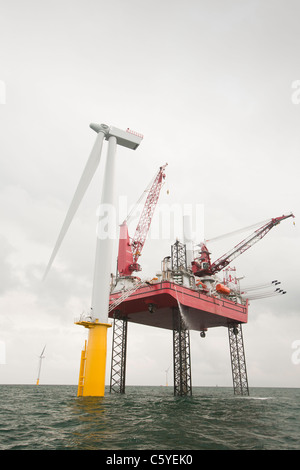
x=181, y=356
x=238, y=361
x=118, y=355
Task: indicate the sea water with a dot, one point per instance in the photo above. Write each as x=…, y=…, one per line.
x=50, y=417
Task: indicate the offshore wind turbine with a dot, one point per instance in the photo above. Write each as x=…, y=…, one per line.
x=40, y=365
x=93, y=358
x=166, y=371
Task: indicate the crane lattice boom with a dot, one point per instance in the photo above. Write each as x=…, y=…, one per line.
x=130, y=250
x=143, y=226
x=240, y=248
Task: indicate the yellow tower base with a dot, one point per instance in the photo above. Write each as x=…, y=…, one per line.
x=93, y=360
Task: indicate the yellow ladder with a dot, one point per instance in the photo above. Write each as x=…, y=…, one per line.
x=82, y=371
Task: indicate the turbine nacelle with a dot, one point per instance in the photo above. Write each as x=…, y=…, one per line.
x=128, y=138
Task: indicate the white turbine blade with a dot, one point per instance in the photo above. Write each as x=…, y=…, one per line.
x=84, y=182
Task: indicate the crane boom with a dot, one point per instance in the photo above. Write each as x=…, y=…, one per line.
x=143, y=226
x=129, y=252
x=240, y=248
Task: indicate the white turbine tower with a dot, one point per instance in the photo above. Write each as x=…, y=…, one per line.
x=92, y=367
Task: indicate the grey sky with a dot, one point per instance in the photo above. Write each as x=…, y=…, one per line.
x=209, y=84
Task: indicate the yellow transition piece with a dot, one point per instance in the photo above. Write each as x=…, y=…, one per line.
x=93, y=360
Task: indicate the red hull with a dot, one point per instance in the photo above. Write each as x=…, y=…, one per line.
x=200, y=311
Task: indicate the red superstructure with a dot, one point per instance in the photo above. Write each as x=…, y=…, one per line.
x=153, y=305
x=204, y=300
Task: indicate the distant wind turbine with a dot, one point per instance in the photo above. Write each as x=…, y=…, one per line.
x=166, y=371
x=40, y=365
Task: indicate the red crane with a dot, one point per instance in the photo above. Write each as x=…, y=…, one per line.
x=203, y=266
x=130, y=251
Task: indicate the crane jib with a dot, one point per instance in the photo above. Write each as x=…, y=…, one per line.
x=240, y=248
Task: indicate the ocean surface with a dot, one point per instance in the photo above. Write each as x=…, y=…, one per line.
x=50, y=417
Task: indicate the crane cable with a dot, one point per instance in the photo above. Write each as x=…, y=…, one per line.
x=229, y=234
